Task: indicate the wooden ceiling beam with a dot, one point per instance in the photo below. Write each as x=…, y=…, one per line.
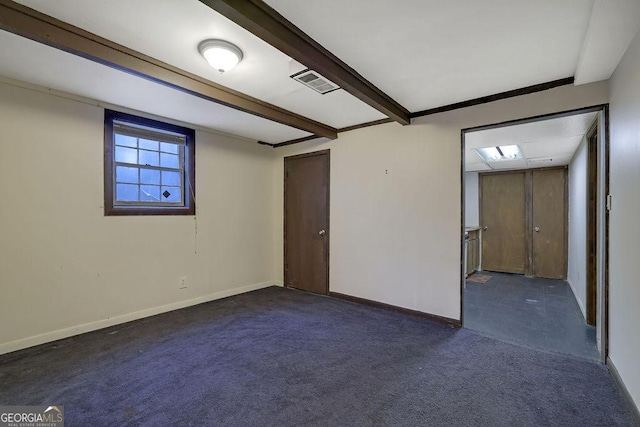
x=264, y=22
x=29, y=23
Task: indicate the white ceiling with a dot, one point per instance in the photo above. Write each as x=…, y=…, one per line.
x=545, y=143
x=422, y=53
x=170, y=30
x=25, y=60
x=612, y=26
x=454, y=50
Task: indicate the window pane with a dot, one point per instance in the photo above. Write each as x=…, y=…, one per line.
x=149, y=176
x=126, y=140
x=149, y=158
x=126, y=155
x=146, y=166
x=169, y=161
x=168, y=147
x=150, y=193
x=126, y=193
x=125, y=174
x=148, y=144
x=171, y=194
x=170, y=178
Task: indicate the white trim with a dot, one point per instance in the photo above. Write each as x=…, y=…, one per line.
x=111, y=321
x=575, y=295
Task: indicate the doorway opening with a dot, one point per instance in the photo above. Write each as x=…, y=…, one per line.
x=534, y=231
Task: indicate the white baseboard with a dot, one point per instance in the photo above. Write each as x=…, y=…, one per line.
x=575, y=294
x=111, y=321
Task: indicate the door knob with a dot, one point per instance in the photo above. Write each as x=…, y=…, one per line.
x=536, y=229
x=485, y=228
x=321, y=232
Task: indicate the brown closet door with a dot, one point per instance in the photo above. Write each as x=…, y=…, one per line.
x=306, y=222
x=503, y=217
x=549, y=219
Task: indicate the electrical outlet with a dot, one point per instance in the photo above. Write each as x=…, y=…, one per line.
x=182, y=282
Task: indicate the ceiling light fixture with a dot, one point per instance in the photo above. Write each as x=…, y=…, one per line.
x=220, y=54
x=502, y=152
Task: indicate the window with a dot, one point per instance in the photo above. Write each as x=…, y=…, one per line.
x=149, y=167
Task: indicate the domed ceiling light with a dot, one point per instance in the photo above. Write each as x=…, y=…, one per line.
x=220, y=54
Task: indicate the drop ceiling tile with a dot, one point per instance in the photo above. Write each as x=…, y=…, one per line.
x=508, y=164
x=475, y=167
x=556, y=138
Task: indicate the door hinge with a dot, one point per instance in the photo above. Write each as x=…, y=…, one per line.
x=608, y=202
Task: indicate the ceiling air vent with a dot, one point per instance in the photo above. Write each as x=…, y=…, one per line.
x=315, y=81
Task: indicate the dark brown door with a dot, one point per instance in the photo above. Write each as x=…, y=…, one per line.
x=592, y=228
x=503, y=217
x=549, y=219
x=306, y=222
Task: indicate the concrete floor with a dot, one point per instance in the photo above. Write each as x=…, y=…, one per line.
x=540, y=313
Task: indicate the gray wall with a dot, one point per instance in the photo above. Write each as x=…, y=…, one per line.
x=624, y=233
x=471, y=201
x=577, y=262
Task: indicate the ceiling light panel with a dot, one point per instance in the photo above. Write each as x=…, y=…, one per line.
x=499, y=153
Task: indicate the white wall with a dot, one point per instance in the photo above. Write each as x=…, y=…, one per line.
x=471, y=200
x=624, y=232
x=577, y=253
x=395, y=238
x=65, y=268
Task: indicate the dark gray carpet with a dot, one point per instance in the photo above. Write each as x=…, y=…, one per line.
x=541, y=313
x=283, y=357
